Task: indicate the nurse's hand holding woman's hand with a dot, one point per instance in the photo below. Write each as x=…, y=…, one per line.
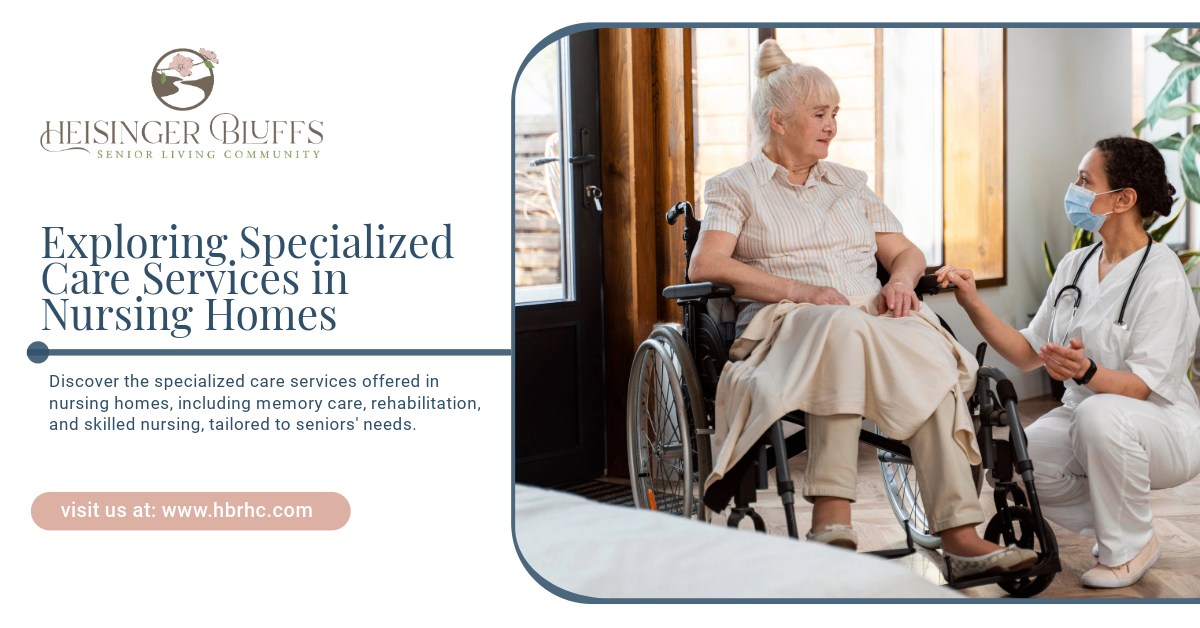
x=1063, y=363
x=964, y=282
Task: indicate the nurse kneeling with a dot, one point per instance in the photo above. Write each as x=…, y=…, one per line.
x=1118, y=327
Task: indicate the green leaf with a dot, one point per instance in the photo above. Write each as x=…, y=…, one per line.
x=208, y=64
x=1081, y=239
x=1049, y=261
x=1175, y=85
x=1189, y=259
x=1194, y=38
x=1187, y=166
x=1178, y=112
x=1195, y=289
x=1158, y=234
x=1171, y=142
x=1174, y=48
x=162, y=78
x=1137, y=128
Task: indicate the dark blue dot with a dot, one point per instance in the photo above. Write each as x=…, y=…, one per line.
x=231, y=262
x=335, y=227
x=139, y=299
x=316, y=262
x=381, y=227
x=172, y=227
x=37, y=352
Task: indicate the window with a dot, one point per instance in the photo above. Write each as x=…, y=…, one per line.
x=539, y=179
x=912, y=132
x=889, y=123
x=722, y=87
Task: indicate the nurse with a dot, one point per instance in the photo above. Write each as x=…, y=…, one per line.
x=1118, y=327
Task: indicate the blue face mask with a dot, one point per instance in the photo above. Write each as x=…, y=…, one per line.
x=1078, y=204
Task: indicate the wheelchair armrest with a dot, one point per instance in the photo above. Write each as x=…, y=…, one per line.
x=929, y=285
x=704, y=289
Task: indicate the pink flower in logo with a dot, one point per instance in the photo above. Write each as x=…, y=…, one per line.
x=182, y=64
x=210, y=55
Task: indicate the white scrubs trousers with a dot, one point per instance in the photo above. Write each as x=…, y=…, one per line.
x=1095, y=464
x=1096, y=459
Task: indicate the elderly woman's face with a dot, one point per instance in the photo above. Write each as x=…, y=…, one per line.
x=812, y=129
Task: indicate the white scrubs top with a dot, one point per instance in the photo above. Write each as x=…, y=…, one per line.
x=1161, y=318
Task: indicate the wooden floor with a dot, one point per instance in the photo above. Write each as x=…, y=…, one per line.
x=1177, y=524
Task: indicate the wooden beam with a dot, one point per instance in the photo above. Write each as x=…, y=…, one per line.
x=674, y=162
x=628, y=162
x=973, y=151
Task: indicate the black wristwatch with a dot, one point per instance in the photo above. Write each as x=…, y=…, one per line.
x=1087, y=377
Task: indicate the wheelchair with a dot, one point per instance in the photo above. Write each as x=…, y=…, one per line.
x=670, y=416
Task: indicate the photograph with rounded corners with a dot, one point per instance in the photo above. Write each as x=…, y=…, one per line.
x=827, y=311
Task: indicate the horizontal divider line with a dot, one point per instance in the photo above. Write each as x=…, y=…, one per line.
x=279, y=352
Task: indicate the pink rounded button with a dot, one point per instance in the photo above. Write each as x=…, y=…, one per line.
x=190, y=511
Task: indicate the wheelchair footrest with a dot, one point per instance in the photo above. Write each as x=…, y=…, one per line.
x=894, y=553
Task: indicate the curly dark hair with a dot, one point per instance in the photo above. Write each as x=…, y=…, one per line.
x=1133, y=163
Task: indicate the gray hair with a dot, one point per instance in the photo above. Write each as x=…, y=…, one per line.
x=783, y=85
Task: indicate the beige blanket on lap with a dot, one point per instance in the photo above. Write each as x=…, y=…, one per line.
x=829, y=359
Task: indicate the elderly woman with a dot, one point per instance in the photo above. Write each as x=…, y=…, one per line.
x=790, y=228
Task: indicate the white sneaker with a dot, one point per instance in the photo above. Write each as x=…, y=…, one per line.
x=1096, y=549
x=1105, y=577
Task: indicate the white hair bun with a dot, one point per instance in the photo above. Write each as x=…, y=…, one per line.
x=770, y=58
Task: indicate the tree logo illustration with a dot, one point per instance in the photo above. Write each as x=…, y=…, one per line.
x=183, y=78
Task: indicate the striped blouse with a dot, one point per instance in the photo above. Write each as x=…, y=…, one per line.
x=820, y=233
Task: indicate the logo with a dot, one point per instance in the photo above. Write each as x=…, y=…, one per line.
x=183, y=78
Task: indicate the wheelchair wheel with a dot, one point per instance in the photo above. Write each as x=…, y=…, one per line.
x=697, y=413
x=659, y=433
x=904, y=496
x=1022, y=533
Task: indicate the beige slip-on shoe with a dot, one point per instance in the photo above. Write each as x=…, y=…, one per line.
x=836, y=535
x=1009, y=559
x=1096, y=549
x=1104, y=577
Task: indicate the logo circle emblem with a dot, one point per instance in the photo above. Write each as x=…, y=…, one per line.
x=182, y=79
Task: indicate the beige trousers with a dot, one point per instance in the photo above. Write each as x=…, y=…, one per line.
x=943, y=473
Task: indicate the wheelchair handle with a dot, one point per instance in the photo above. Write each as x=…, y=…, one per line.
x=681, y=208
x=928, y=284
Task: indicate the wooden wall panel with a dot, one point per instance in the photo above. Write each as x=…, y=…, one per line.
x=973, y=144
x=674, y=161
x=630, y=259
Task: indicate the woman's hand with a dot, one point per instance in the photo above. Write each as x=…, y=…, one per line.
x=817, y=295
x=964, y=282
x=1063, y=363
x=899, y=299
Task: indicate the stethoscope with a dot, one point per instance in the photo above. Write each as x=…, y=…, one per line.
x=1079, y=293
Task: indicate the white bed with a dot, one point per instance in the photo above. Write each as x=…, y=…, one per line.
x=605, y=551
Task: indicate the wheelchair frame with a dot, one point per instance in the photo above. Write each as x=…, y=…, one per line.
x=1020, y=523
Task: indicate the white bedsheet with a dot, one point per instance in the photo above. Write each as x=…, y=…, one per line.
x=605, y=551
